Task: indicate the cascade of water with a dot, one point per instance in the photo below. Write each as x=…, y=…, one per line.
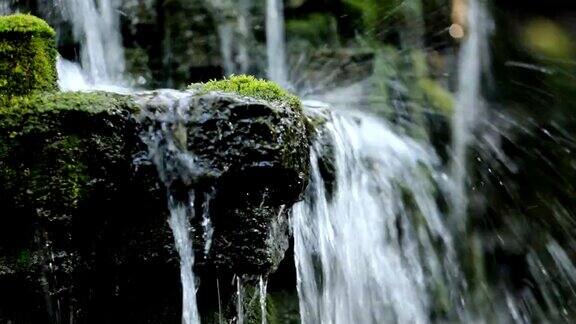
x=96, y=26
x=468, y=109
x=276, y=42
x=363, y=249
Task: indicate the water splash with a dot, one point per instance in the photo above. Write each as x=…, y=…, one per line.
x=96, y=26
x=71, y=77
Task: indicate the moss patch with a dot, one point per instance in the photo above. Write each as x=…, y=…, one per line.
x=25, y=24
x=249, y=86
x=27, y=55
x=22, y=115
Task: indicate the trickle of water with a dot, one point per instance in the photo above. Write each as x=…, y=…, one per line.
x=180, y=225
x=276, y=42
x=207, y=223
x=363, y=249
x=239, y=301
x=262, y=283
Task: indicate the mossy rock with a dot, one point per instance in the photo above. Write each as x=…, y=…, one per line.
x=80, y=192
x=27, y=55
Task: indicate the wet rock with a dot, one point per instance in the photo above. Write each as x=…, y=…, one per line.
x=251, y=155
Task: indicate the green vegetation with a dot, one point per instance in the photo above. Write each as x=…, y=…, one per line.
x=25, y=24
x=27, y=55
x=249, y=86
x=29, y=113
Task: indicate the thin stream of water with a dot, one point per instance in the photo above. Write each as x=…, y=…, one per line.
x=262, y=283
x=276, y=43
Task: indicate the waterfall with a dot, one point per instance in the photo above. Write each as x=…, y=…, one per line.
x=468, y=108
x=96, y=26
x=276, y=42
x=363, y=248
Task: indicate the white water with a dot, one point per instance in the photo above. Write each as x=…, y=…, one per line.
x=364, y=254
x=468, y=111
x=95, y=26
x=276, y=42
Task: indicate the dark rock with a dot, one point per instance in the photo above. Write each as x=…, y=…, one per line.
x=83, y=227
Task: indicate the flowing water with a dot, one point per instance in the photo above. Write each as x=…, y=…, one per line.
x=369, y=249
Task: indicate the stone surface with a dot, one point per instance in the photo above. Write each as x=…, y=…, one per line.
x=83, y=223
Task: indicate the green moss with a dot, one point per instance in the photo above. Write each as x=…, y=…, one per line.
x=438, y=96
x=25, y=24
x=27, y=55
x=27, y=113
x=249, y=86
